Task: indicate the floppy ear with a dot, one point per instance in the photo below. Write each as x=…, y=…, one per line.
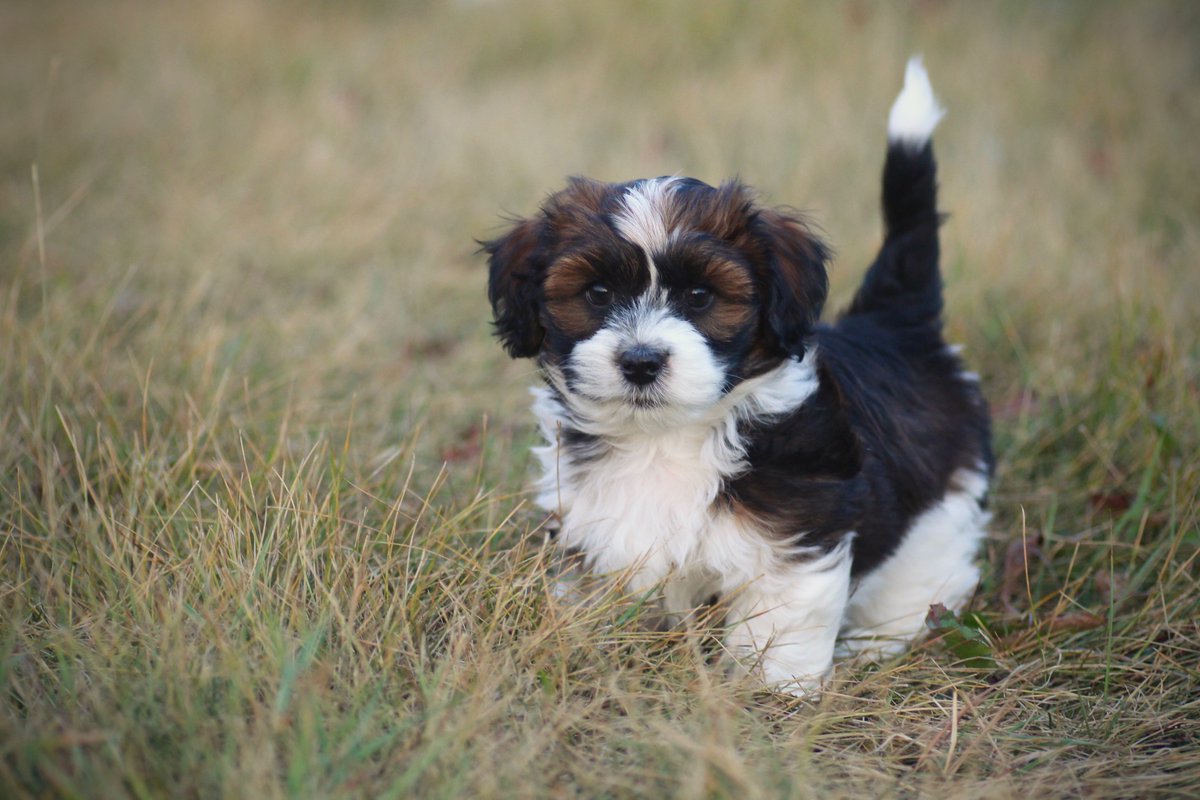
x=796, y=280
x=513, y=274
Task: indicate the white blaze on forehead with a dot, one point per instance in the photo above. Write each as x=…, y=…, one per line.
x=643, y=218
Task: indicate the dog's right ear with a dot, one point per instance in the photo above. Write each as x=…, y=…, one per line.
x=513, y=275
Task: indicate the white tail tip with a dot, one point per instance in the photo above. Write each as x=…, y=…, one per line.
x=916, y=111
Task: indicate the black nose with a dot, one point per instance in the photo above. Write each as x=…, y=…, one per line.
x=641, y=364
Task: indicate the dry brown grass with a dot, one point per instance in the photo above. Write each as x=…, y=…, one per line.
x=262, y=520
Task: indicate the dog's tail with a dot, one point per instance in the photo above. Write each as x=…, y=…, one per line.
x=904, y=284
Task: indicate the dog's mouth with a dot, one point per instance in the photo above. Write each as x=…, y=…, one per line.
x=645, y=397
x=648, y=398
x=645, y=400
x=636, y=399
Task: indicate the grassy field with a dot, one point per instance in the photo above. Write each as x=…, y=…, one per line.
x=264, y=529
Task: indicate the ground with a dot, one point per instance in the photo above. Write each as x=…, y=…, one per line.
x=264, y=525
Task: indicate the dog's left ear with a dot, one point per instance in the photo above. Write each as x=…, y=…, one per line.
x=797, y=284
x=513, y=275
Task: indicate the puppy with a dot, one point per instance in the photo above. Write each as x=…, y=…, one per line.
x=706, y=435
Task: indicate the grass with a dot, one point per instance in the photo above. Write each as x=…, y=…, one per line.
x=263, y=521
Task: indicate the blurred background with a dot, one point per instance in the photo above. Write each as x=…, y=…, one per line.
x=285, y=196
x=262, y=466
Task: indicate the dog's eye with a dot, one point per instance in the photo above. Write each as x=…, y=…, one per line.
x=699, y=298
x=599, y=295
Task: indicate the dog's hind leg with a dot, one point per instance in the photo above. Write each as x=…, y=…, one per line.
x=935, y=563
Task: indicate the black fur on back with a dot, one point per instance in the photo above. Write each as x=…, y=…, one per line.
x=894, y=418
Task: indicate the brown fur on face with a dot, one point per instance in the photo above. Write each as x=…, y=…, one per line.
x=567, y=281
x=763, y=266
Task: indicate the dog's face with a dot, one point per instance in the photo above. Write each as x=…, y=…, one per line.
x=653, y=299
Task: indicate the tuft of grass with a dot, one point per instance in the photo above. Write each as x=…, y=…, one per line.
x=263, y=520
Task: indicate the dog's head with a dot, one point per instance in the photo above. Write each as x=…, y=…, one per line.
x=656, y=297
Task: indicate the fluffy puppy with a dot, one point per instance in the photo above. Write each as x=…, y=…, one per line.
x=705, y=434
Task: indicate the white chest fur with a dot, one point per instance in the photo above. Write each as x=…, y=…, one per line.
x=645, y=505
x=643, y=501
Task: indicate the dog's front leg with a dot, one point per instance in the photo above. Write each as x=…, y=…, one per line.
x=785, y=623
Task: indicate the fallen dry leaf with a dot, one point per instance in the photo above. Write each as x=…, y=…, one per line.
x=1115, y=502
x=467, y=448
x=1074, y=621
